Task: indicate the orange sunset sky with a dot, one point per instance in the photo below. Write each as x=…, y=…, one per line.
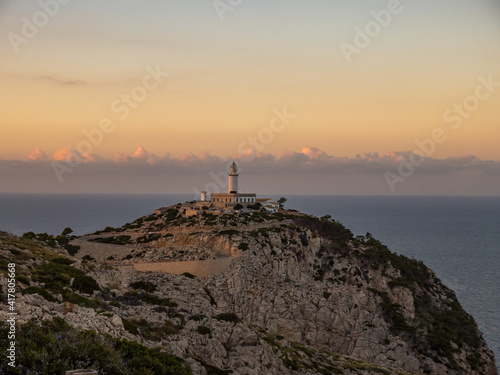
x=358, y=104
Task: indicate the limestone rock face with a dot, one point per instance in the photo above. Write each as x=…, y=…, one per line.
x=301, y=296
x=283, y=285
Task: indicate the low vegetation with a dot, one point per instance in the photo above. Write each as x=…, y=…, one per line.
x=114, y=240
x=54, y=347
x=150, y=331
x=54, y=275
x=85, y=284
x=228, y=317
x=144, y=285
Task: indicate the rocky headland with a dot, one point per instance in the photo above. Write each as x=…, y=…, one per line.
x=294, y=294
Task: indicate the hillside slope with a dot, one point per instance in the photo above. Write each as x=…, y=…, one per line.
x=302, y=295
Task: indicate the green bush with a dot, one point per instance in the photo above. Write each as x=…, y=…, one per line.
x=392, y=313
x=54, y=347
x=144, y=285
x=243, y=246
x=23, y=279
x=212, y=370
x=72, y=249
x=150, y=331
x=197, y=317
x=202, y=330
x=85, y=284
x=65, y=261
x=42, y=292
x=118, y=240
x=149, y=238
x=76, y=299
x=451, y=324
x=228, y=317
x=326, y=228
x=62, y=240
x=155, y=300
x=29, y=236
x=55, y=276
x=229, y=232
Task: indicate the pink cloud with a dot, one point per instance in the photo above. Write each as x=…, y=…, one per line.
x=65, y=154
x=37, y=154
x=141, y=153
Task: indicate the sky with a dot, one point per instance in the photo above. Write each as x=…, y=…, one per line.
x=309, y=97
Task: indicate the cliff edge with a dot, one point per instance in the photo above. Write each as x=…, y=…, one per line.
x=301, y=295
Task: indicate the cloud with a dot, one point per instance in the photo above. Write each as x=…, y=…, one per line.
x=309, y=159
x=140, y=153
x=62, y=82
x=37, y=154
x=308, y=171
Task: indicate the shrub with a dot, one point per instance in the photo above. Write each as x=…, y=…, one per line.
x=149, y=238
x=54, y=347
x=197, y=317
x=118, y=240
x=29, y=235
x=202, y=330
x=62, y=240
x=392, y=313
x=55, y=276
x=72, y=249
x=228, y=317
x=155, y=300
x=66, y=231
x=243, y=246
x=212, y=370
x=144, y=285
x=149, y=330
x=42, y=292
x=329, y=229
x=263, y=231
x=451, y=324
x=229, y=232
x=70, y=297
x=411, y=270
x=23, y=279
x=85, y=284
x=65, y=261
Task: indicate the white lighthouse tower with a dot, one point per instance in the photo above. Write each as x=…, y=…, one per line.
x=233, y=179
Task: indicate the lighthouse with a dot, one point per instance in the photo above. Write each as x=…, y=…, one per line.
x=233, y=179
x=232, y=197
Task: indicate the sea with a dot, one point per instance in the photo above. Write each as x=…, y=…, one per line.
x=458, y=237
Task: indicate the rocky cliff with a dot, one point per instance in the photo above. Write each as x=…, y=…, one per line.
x=302, y=296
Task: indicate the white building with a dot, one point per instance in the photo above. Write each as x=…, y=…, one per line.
x=232, y=197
